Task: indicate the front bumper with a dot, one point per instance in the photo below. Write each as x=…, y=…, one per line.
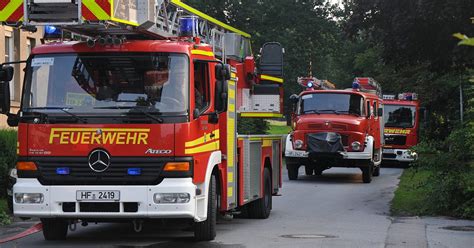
x=55, y=196
x=401, y=155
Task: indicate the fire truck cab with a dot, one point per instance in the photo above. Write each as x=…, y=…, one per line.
x=336, y=128
x=402, y=122
x=138, y=119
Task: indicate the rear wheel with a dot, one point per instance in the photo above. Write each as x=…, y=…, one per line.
x=261, y=208
x=206, y=230
x=308, y=170
x=54, y=229
x=292, y=171
x=318, y=172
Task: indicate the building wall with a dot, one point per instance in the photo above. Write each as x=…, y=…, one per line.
x=22, y=42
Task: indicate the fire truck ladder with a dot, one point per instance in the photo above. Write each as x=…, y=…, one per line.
x=130, y=19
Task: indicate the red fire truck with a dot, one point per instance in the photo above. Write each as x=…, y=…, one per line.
x=402, y=122
x=336, y=128
x=138, y=120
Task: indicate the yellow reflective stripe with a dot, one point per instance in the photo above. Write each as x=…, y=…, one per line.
x=10, y=9
x=202, y=139
x=230, y=191
x=96, y=10
x=125, y=22
x=102, y=129
x=204, y=148
x=267, y=143
x=233, y=75
x=269, y=115
x=270, y=78
x=208, y=18
x=230, y=177
x=202, y=52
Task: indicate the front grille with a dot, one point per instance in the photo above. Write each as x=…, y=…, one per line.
x=99, y=207
x=116, y=174
x=395, y=140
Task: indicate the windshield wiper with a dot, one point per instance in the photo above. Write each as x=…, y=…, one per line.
x=64, y=109
x=329, y=110
x=141, y=110
x=311, y=111
x=348, y=112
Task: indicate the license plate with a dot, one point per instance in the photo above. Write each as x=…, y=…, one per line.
x=98, y=195
x=388, y=150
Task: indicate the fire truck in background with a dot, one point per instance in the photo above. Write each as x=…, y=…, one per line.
x=336, y=128
x=138, y=120
x=402, y=115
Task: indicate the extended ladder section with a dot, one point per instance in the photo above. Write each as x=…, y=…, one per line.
x=367, y=84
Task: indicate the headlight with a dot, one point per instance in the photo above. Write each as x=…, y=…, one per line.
x=171, y=198
x=298, y=144
x=29, y=198
x=356, y=146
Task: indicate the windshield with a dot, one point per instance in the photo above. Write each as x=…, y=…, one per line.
x=399, y=116
x=108, y=83
x=323, y=103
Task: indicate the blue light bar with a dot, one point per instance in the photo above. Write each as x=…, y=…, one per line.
x=188, y=26
x=52, y=32
x=63, y=171
x=355, y=85
x=134, y=171
x=310, y=84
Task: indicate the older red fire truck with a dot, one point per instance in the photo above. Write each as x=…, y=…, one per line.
x=402, y=122
x=138, y=120
x=336, y=128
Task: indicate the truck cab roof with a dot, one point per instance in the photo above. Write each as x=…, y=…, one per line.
x=171, y=46
x=348, y=91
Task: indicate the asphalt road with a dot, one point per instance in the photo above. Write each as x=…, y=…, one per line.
x=333, y=210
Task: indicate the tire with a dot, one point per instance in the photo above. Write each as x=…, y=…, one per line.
x=318, y=172
x=376, y=172
x=308, y=170
x=292, y=172
x=54, y=229
x=206, y=230
x=367, y=172
x=261, y=208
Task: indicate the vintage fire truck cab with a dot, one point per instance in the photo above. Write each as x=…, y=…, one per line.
x=138, y=120
x=402, y=117
x=337, y=128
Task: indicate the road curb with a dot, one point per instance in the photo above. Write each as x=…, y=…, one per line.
x=406, y=232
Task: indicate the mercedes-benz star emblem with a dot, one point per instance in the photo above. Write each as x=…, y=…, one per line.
x=99, y=160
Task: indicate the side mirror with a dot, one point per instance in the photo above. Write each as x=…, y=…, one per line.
x=380, y=112
x=220, y=101
x=5, y=97
x=222, y=72
x=294, y=98
x=6, y=73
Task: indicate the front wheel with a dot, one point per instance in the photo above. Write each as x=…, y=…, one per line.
x=367, y=172
x=206, y=230
x=54, y=229
x=261, y=208
x=292, y=171
x=376, y=171
x=308, y=170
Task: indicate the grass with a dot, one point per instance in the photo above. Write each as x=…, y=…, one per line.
x=278, y=129
x=410, y=197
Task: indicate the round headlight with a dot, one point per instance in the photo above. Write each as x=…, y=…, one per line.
x=356, y=146
x=298, y=144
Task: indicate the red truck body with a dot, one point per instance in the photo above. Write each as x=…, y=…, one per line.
x=336, y=128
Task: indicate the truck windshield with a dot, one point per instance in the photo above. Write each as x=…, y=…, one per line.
x=399, y=116
x=85, y=84
x=324, y=103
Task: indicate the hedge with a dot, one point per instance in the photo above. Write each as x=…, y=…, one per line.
x=8, y=139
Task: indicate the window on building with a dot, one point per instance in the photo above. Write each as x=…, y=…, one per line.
x=9, y=53
x=201, y=87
